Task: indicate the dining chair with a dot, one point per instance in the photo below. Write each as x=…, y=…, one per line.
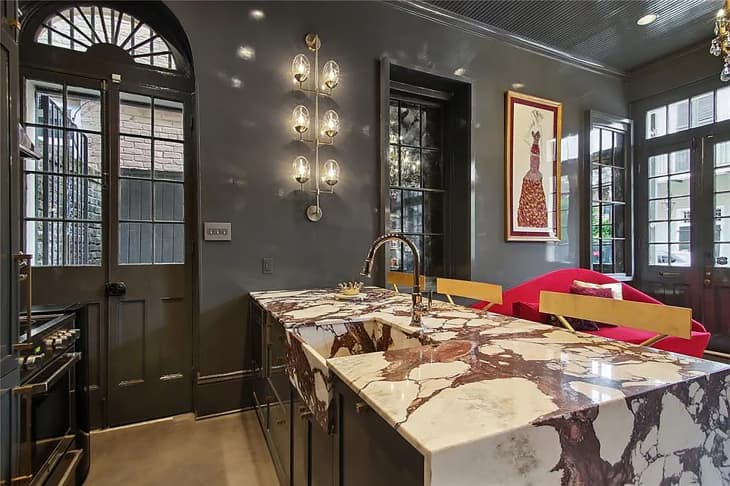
x=485, y=292
x=403, y=279
x=663, y=320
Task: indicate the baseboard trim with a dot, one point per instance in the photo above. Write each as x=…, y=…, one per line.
x=223, y=393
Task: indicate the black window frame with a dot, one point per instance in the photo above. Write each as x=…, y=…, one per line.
x=403, y=94
x=596, y=120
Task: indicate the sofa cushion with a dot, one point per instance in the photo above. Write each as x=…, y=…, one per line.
x=616, y=288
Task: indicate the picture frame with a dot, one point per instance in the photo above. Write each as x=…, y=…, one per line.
x=533, y=134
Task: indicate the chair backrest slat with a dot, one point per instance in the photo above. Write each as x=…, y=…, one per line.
x=471, y=290
x=403, y=279
x=661, y=319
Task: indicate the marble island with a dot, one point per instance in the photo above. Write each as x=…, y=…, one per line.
x=489, y=399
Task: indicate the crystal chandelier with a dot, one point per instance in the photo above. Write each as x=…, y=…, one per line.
x=720, y=45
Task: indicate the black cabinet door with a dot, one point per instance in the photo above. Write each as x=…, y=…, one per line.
x=300, y=442
x=321, y=456
x=370, y=450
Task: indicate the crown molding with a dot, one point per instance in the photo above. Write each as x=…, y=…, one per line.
x=480, y=29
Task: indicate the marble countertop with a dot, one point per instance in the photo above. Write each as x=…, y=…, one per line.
x=518, y=402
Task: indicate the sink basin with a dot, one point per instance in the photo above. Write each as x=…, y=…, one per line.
x=310, y=346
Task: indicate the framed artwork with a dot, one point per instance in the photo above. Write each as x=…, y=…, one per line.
x=532, y=168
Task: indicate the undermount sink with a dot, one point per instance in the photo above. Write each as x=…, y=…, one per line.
x=311, y=345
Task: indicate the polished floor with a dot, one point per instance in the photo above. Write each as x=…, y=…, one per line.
x=222, y=451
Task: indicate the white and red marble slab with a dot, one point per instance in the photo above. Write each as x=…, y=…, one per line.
x=498, y=400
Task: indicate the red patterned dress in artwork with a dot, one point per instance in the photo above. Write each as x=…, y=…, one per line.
x=532, y=210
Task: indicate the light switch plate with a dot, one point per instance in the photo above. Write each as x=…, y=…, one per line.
x=217, y=231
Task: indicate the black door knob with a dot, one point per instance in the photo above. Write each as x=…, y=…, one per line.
x=116, y=289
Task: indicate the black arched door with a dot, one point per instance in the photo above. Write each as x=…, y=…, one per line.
x=109, y=207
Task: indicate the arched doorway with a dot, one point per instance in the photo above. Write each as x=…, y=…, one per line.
x=110, y=208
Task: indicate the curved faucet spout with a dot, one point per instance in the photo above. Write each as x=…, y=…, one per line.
x=368, y=263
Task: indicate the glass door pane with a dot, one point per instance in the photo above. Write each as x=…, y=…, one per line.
x=721, y=230
x=151, y=180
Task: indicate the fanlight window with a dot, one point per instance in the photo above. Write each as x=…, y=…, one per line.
x=79, y=28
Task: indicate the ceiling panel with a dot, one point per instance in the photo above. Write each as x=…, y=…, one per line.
x=601, y=30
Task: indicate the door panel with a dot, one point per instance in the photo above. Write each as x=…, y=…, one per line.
x=716, y=254
x=669, y=238
x=150, y=365
x=107, y=204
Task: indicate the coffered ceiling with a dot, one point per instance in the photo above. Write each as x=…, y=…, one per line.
x=601, y=30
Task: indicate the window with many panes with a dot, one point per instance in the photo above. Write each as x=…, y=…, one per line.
x=63, y=190
x=151, y=180
x=670, y=175
x=670, y=209
x=610, y=222
x=79, y=28
x=417, y=181
x=693, y=112
x=722, y=204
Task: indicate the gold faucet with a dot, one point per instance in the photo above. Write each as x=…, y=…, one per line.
x=417, y=308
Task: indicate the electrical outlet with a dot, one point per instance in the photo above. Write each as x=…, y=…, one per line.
x=267, y=266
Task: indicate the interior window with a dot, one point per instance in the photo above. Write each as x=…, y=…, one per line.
x=417, y=182
x=79, y=28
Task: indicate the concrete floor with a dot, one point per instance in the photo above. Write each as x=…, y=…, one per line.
x=222, y=451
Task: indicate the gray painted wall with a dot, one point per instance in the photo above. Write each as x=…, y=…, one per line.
x=246, y=150
x=680, y=69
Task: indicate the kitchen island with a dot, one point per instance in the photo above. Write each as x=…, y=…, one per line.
x=489, y=399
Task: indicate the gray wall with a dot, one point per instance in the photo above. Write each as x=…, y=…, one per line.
x=245, y=148
x=679, y=69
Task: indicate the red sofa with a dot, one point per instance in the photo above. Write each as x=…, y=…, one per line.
x=560, y=281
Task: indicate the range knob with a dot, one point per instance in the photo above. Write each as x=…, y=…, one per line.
x=30, y=362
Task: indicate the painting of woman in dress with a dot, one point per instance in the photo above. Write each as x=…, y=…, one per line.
x=532, y=210
x=532, y=168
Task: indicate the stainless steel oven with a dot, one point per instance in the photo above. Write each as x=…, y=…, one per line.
x=48, y=420
x=45, y=452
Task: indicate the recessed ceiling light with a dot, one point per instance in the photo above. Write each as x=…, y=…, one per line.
x=247, y=53
x=517, y=85
x=646, y=19
x=459, y=71
x=257, y=14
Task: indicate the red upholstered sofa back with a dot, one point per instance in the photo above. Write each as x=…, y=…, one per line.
x=559, y=281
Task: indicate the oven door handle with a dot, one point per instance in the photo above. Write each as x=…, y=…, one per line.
x=44, y=386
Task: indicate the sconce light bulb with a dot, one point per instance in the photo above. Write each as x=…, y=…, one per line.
x=331, y=123
x=331, y=74
x=300, y=119
x=331, y=172
x=301, y=169
x=300, y=68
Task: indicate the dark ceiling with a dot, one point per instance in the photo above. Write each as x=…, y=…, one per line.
x=600, y=30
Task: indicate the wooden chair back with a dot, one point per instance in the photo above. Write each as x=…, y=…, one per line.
x=663, y=320
x=486, y=292
x=403, y=279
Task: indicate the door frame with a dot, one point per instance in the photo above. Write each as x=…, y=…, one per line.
x=694, y=139
x=48, y=62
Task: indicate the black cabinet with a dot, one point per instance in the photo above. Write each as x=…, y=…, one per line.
x=313, y=451
x=370, y=450
x=9, y=231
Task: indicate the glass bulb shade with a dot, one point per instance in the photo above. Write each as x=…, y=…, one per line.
x=331, y=123
x=301, y=169
x=300, y=119
x=331, y=74
x=725, y=73
x=300, y=68
x=331, y=172
x=715, y=49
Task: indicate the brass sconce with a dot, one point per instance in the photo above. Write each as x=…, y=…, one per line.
x=324, y=130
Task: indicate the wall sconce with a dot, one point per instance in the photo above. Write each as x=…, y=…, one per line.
x=328, y=126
